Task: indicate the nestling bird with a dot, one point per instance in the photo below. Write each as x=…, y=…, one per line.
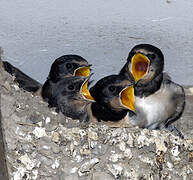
x=114, y=98
x=65, y=66
x=71, y=97
x=158, y=100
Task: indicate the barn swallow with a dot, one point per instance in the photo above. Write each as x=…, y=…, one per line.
x=68, y=65
x=114, y=98
x=64, y=66
x=72, y=97
x=158, y=100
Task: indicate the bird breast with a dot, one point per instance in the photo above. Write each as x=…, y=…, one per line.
x=154, y=109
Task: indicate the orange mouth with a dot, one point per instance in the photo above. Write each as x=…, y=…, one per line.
x=139, y=66
x=85, y=92
x=127, y=98
x=82, y=71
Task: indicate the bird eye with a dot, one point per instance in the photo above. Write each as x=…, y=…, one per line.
x=112, y=88
x=151, y=56
x=69, y=65
x=131, y=54
x=71, y=87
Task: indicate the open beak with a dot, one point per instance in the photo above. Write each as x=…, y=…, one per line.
x=82, y=71
x=127, y=98
x=85, y=92
x=139, y=66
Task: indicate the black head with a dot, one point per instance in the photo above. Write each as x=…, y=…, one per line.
x=70, y=96
x=68, y=65
x=114, y=92
x=145, y=62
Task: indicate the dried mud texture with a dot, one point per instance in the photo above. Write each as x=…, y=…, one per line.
x=44, y=145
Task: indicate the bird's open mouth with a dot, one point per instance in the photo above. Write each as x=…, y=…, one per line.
x=85, y=92
x=139, y=66
x=82, y=71
x=127, y=98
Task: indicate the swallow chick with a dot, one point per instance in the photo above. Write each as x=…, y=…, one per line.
x=64, y=66
x=114, y=98
x=158, y=100
x=71, y=97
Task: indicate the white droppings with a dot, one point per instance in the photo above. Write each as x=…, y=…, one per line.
x=46, y=147
x=76, y=143
x=115, y=157
x=74, y=153
x=74, y=170
x=169, y=165
x=38, y=164
x=93, y=144
x=48, y=120
x=39, y=123
x=54, y=112
x=18, y=175
x=128, y=153
x=82, y=132
x=116, y=170
x=143, y=140
x=78, y=158
x=118, y=167
x=39, y=132
x=16, y=87
x=175, y=151
x=160, y=145
x=146, y=160
x=21, y=133
x=116, y=132
x=28, y=138
x=17, y=130
x=56, y=164
x=122, y=146
x=35, y=173
x=30, y=164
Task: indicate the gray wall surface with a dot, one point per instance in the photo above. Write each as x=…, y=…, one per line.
x=35, y=32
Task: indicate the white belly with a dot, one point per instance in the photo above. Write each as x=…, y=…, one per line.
x=153, y=110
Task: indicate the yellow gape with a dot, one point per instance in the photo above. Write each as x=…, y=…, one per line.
x=139, y=66
x=127, y=98
x=85, y=92
x=82, y=71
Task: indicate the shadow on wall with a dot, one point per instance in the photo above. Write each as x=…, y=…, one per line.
x=3, y=164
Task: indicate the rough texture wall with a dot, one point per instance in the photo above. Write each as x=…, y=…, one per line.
x=3, y=166
x=44, y=145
